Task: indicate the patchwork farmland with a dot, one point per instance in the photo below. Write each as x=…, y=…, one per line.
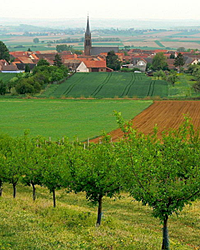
x=165, y=115
x=108, y=85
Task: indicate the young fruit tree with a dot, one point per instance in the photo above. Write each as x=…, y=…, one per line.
x=31, y=163
x=165, y=173
x=55, y=172
x=95, y=172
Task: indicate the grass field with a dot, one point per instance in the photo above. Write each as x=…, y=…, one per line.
x=71, y=118
x=126, y=224
x=108, y=85
x=5, y=77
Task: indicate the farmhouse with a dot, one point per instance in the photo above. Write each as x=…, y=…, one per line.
x=92, y=66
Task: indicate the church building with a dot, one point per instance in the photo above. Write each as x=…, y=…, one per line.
x=94, y=51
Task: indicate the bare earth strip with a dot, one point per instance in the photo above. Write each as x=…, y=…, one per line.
x=164, y=114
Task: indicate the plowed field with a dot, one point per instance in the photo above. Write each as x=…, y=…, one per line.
x=166, y=114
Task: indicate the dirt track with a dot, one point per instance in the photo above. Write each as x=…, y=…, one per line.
x=166, y=114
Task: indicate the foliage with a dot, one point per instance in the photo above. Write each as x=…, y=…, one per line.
x=2, y=88
x=36, y=40
x=158, y=173
x=179, y=60
x=27, y=68
x=112, y=61
x=43, y=62
x=159, y=74
x=172, y=77
x=4, y=52
x=95, y=171
x=63, y=47
x=159, y=62
x=181, y=49
x=57, y=61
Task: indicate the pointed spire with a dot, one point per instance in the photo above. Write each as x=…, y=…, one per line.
x=87, y=33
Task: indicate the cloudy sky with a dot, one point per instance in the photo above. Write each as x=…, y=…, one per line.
x=142, y=9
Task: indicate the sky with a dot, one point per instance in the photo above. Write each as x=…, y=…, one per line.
x=129, y=9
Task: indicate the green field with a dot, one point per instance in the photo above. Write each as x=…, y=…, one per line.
x=71, y=118
x=126, y=224
x=5, y=77
x=108, y=85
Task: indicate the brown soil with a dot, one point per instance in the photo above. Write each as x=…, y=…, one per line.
x=164, y=114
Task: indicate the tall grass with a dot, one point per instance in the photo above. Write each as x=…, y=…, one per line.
x=126, y=223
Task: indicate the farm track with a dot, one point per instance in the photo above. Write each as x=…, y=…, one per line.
x=71, y=86
x=164, y=114
x=128, y=86
x=100, y=86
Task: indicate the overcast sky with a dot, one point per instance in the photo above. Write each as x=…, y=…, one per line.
x=140, y=9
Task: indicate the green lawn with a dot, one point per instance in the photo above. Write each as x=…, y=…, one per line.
x=71, y=118
x=126, y=224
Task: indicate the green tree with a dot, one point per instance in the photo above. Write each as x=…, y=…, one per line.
x=27, y=68
x=4, y=145
x=159, y=74
x=179, y=61
x=31, y=163
x=4, y=52
x=2, y=88
x=57, y=61
x=172, y=77
x=62, y=47
x=181, y=49
x=112, y=61
x=55, y=171
x=95, y=172
x=43, y=62
x=158, y=173
x=159, y=62
x=24, y=87
x=36, y=40
x=13, y=166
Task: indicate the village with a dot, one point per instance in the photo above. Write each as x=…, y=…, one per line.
x=93, y=59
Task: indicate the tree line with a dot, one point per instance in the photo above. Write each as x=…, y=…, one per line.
x=162, y=173
x=33, y=82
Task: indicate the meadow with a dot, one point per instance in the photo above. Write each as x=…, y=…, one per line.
x=126, y=224
x=108, y=85
x=71, y=118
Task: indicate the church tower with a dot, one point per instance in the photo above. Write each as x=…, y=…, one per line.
x=88, y=40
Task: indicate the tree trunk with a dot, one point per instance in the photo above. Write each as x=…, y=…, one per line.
x=99, y=211
x=1, y=187
x=34, y=191
x=54, y=198
x=14, y=189
x=165, y=243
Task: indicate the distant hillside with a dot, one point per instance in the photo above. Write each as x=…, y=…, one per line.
x=103, y=23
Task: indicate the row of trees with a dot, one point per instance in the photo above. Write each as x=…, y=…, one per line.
x=162, y=173
x=159, y=62
x=42, y=74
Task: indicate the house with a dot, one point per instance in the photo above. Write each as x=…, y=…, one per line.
x=5, y=67
x=89, y=65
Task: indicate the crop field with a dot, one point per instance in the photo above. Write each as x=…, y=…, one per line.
x=71, y=118
x=108, y=85
x=165, y=115
x=5, y=77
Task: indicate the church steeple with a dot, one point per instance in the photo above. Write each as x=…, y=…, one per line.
x=88, y=40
